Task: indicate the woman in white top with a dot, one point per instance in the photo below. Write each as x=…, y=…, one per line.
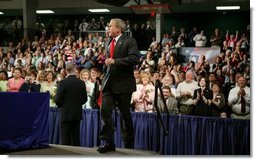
x=143, y=97
x=49, y=85
x=85, y=76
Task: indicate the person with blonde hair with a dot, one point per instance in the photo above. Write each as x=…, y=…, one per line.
x=143, y=97
x=85, y=77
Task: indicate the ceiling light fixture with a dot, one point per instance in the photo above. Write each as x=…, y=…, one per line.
x=1, y=12
x=98, y=10
x=227, y=7
x=44, y=11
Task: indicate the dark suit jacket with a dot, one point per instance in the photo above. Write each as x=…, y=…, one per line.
x=202, y=108
x=71, y=94
x=121, y=74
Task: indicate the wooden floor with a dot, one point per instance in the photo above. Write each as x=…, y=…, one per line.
x=71, y=150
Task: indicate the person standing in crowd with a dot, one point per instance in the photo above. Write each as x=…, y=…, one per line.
x=16, y=81
x=218, y=101
x=85, y=77
x=171, y=102
x=148, y=64
x=239, y=99
x=184, y=93
x=231, y=40
x=101, y=24
x=71, y=95
x=49, y=85
x=200, y=39
x=216, y=40
x=3, y=81
x=30, y=85
x=143, y=97
x=83, y=26
x=202, y=99
x=118, y=84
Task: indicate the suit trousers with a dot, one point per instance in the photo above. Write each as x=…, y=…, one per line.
x=123, y=103
x=70, y=133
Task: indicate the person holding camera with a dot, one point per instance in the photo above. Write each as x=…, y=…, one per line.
x=30, y=84
x=218, y=101
x=148, y=64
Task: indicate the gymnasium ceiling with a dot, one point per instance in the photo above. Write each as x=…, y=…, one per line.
x=78, y=7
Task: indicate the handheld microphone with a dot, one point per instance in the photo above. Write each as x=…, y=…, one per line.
x=98, y=80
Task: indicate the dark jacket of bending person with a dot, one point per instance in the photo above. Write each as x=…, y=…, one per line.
x=71, y=95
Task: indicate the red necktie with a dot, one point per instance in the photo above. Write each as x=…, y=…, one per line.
x=243, y=109
x=112, y=48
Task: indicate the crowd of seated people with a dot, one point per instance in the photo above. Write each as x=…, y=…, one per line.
x=218, y=90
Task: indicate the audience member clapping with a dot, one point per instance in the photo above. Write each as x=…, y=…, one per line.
x=239, y=100
x=143, y=97
x=85, y=76
x=184, y=93
x=202, y=99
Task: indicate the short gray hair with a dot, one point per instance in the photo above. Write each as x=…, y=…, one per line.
x=120, y=24
x=70, y=68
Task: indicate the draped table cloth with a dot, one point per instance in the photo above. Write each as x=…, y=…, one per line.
x=24, y=120
x=27, y=121
x=187, y=135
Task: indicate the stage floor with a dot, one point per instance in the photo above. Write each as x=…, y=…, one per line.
x=71, y=150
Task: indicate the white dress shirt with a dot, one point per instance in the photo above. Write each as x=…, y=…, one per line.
x=235, y=101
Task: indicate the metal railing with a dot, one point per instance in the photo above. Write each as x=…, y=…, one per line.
x=7, y=36
x=100, y=33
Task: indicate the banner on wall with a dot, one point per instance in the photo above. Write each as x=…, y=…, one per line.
x=187, y=54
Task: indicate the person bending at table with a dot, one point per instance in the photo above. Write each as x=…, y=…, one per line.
x=118, y=84
x=71, y=95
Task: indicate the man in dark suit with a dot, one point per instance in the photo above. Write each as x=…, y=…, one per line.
x=71, y=95
x=118, y=84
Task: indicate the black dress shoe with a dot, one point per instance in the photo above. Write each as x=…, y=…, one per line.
x=106, y=148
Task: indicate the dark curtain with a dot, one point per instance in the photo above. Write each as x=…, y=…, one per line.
x=24, y=120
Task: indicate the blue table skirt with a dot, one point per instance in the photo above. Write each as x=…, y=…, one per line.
x=188, y=135
x=24, y=120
